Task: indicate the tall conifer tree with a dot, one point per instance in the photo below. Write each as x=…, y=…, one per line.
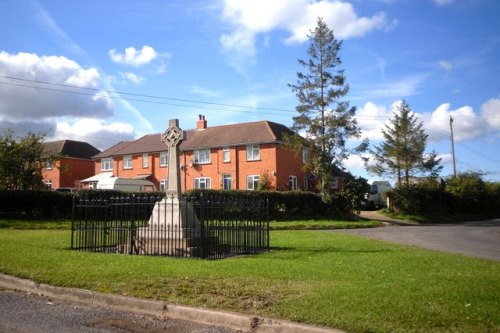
x=402, y=153
x=325, y=120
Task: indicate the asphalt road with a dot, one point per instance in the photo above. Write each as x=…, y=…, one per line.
x=477, y=239
x=30, y=313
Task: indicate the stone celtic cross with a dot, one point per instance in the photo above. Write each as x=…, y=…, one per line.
x=173, y=137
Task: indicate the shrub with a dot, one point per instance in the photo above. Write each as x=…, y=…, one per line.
x=35, y=204
x=467, y=193
x=287, y=205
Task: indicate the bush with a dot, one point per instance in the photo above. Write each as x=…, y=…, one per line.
x=287, y=205
x=350, y=198
x=37, y=205
x=467, y=193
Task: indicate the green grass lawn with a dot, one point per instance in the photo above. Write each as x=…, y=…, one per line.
x=322, y=224
x=324, y=278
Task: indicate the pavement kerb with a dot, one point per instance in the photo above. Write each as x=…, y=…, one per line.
x=233, y=320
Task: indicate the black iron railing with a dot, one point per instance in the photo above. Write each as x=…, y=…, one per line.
x=203, y=227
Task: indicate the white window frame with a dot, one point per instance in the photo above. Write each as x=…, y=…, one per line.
x=305, y=155
x=106, y=164
x=145, y=161
x=334, y=184
x=252, y=181
x=164, y=158
x=48, y=185
x=49, y=165
x=202, y=183
x=163, y=185
x=127, y=162
x=202, y=156
x=229, y=179
x=253, y=152
x=226, y=154
x=292, y=180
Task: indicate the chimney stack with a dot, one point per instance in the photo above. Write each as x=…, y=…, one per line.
x=201, y=124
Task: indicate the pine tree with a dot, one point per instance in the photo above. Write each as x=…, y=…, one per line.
x=325, y=120
x=402, y=153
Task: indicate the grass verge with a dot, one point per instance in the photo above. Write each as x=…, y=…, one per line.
x=322, y=224
x=33, y=225
x=448, y=218
x=324, y=278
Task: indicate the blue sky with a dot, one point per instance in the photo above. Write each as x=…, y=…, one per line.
x=121, y=69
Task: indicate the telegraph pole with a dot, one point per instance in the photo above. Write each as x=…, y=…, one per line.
x=453, y=148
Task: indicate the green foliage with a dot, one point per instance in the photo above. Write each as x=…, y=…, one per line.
x=350, y=197
x=402, y=153
x=38, y=205
x=20, y=162
x=287, y=205
x=326, y=119
x=467, y=193
x=264, y=183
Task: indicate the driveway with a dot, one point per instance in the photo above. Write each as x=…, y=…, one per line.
x=477, y=239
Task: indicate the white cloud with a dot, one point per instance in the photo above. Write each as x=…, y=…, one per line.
x=466, y=123
x=98, y=133
x=446, y=65
x=491, y=112
x=34, y=99
x=371, y=119
x=132, y=77
x=251, y=18
x=205, y=92
x=443, y=2
x=354, y=162
x=399, y=88
x=134, y=57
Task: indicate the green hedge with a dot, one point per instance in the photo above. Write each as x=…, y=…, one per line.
x=288, y=205
x=456, y=196
x=37, y=205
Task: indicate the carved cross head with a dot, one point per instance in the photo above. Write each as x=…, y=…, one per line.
x=173, y=135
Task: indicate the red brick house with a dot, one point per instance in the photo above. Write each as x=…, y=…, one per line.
x=72, y=163
x=221, y=157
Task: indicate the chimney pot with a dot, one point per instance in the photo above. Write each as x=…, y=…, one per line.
x=201, y=124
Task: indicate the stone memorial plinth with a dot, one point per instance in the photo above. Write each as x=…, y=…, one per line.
x=173, y=222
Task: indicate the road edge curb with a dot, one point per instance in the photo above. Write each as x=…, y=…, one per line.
x=232, y=320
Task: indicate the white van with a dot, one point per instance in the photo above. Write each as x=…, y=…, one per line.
x=376, y=197
x=126, y=184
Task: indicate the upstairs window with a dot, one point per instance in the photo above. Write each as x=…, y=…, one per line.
x=106, y=164
x=48, y=165
x=226, y=154
x=202, y=156
x=164, y=158
x=253, y=152
x=145, y=160
x=305, y=155
x=127, y=161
